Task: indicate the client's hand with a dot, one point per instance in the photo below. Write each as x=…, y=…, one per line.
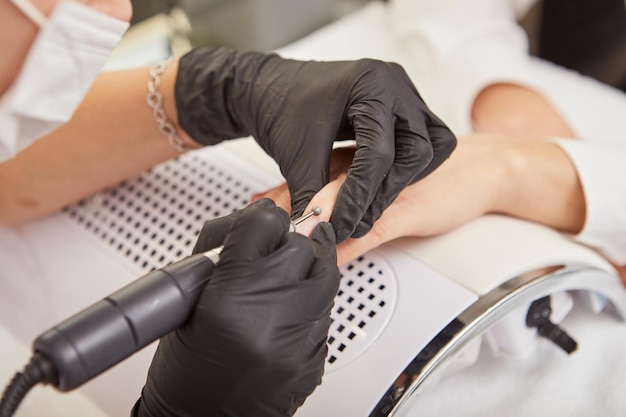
x=256, y=343
x=462, y=188
x=485, y=174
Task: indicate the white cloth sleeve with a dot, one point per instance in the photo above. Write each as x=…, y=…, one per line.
x=459, y=47
x=601, y=169
x=70, y=50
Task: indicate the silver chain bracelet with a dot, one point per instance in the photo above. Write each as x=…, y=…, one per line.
x=155, y=101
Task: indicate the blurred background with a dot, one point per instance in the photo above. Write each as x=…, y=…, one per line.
x=588, y=36
x=249, y=24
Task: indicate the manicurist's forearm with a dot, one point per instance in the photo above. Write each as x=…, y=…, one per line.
x=112, y=136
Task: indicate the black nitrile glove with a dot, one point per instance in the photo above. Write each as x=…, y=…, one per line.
x=296, y=110
x=256, y=342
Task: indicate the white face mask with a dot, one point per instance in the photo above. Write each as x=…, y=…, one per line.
x=71, y=49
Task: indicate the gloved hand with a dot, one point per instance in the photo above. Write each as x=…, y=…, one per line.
x=256, y=342
x=296, y=110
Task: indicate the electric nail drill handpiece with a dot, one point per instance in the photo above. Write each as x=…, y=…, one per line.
x=102, y=335
x=114, y=328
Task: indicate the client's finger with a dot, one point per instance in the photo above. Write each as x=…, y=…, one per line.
x=324, y=199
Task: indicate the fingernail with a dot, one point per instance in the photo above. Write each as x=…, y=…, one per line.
x=306, y=227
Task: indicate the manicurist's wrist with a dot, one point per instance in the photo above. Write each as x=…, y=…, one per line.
x=168, y=83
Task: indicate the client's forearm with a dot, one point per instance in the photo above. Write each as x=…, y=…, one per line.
x=531, y=180
x=111, y=137
x=543, y=186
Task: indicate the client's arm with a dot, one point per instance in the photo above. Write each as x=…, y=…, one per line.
x=513, y=109
x=532, y=180
x=111, y=137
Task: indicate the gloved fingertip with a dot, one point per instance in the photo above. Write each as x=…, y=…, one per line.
x=443, y=140
x=341, y=236
x=263, y=202
x=324, y=237
x=213, y=233
x=362, y=229
x=256, y=232
x=299, y=202
x=343, y=228
x=324, y=231
x=298, y=209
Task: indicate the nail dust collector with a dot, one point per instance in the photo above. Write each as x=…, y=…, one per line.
x=404, y=313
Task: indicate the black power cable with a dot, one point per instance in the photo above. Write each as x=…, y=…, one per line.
x=38, y=370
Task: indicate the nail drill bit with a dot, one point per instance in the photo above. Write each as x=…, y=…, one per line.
x=315, y=211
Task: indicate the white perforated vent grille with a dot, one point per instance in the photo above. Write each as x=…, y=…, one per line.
x=363, y=307
x=155, y=218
